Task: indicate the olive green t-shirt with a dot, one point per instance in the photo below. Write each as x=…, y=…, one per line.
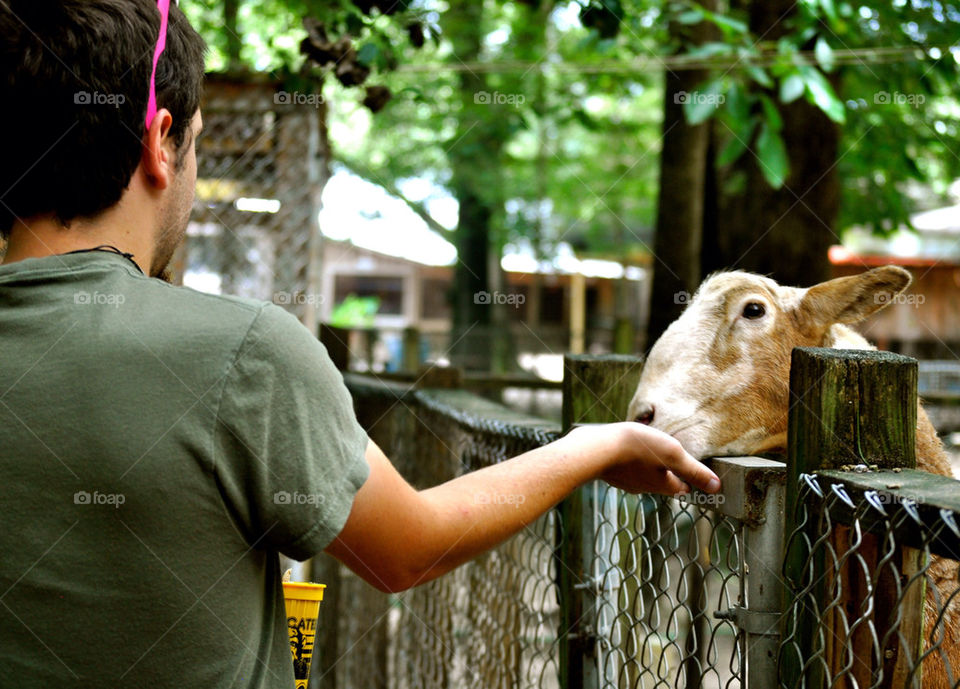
x=158, y=448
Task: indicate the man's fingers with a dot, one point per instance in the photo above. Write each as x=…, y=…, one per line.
x=668, y=451
x=697, y=474
x=674, y=485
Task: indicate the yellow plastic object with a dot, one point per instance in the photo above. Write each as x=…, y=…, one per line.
x=303, y=606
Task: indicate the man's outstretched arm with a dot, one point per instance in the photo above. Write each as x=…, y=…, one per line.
x=397, y=537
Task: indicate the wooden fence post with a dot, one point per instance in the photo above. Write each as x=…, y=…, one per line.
x=624, y=336
x=847, y=407
x=596, y=389
x=411, y=349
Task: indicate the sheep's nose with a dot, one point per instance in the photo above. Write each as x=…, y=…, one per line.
x=644, y=413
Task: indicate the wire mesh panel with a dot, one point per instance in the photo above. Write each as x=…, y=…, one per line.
x=490, y=623
x=938, y=378
x=254, y=226
x=668, y=578
x=665, y=567
x=872, y=569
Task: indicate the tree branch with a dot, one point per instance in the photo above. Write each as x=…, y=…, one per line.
x=417, y=207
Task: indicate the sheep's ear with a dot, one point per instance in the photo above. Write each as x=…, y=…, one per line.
x=851, y=299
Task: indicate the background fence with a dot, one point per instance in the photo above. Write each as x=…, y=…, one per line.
x=262, y=164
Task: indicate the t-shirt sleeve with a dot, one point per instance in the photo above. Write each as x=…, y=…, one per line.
x=289, y=452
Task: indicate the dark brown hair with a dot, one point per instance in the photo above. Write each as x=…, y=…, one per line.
x=74, y=79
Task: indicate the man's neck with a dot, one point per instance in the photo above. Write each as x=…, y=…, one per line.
x=44, y=235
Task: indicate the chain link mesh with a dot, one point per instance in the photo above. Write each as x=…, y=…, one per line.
x=661, y=569
x=254, y=229
x=874, y=586
x=665, y=567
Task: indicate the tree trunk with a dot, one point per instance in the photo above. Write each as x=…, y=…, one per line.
x=784, y=233
x=473, y=155
x=680, y=203
x=231, y=9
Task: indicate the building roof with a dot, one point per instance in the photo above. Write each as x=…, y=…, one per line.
x=841, y=256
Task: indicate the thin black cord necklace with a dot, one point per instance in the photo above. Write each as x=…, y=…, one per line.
x=110, y=249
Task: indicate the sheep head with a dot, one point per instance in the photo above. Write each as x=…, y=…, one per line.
x=718, y=378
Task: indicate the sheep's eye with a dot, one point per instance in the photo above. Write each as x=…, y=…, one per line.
x=753, y=310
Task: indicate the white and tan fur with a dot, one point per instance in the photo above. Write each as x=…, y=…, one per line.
x=718, y=381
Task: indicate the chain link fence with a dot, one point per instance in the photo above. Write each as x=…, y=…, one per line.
x=664, y=599
x=874, y=588
x=253, y=231
x=489, y=623
x=664, y=568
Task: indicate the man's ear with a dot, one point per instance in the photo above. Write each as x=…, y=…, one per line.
x=851, y=299
x=157, y=158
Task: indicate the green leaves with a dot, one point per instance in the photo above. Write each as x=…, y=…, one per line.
x=759, y=75
x=792, y=87
x=729, y=26
x=824, y=54
x=829, y=10
x=821, y=94
x=737, y=143
x=368, y=54
x=702, y=104
x=772, y=156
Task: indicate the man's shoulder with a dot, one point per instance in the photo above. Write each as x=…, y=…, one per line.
x=188, y=305
x=201, y=317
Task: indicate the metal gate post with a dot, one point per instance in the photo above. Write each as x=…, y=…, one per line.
x=755, y=491
x=764, y=589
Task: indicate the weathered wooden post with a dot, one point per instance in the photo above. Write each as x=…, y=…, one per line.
x=847, y=407
x=596, y=389
x=411, y=349
x=578, y=313
x=624, y=335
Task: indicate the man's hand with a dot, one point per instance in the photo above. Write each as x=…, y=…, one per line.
x=645, y=460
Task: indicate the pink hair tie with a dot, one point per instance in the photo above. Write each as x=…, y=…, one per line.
x=164, y=7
